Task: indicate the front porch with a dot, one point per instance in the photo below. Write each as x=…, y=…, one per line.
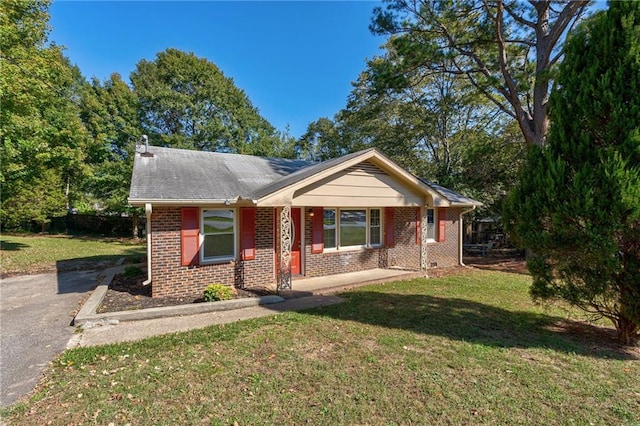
x=333, y=283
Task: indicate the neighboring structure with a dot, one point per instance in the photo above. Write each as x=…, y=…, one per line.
x=252, y=221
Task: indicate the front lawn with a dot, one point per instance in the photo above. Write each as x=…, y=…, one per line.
x=36, y=254
x=465, y=349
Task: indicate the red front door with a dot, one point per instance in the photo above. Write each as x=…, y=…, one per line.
x=295, y=242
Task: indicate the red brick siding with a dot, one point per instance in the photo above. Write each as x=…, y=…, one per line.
x=405, y=254
x=446, y=253
x=170, y=278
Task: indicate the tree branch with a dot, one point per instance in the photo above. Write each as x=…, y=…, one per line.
x=518, y=18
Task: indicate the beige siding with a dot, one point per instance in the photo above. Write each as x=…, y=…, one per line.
x=363, y=185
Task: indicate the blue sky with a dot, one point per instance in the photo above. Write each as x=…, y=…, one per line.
x=295, y=60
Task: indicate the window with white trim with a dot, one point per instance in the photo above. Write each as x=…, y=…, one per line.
x=219, y=235
x=431, y=224
x=375, y=227
x=329, y=228
x=350, y=227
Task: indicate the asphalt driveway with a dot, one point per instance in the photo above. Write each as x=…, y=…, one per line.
x=35, y=325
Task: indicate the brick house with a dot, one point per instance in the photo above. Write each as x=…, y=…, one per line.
x=258, y=222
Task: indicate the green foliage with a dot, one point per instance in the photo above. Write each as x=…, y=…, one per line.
x=216, y=292
x=110, y=113
x=577, y=206
x=433, y=126
x=42, y=138
x=132, y=272
x=489, y=44
x=187, y=102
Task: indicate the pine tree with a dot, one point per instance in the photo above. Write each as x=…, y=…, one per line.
x=577, y=207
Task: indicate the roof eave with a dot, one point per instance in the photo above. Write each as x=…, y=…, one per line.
x=192, y=202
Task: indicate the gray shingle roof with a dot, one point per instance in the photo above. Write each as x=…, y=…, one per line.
x=171, y=174
x=453, y=197
x=179, y=174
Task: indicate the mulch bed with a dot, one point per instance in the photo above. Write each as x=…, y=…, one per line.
x=128, y=293
x=516, y=265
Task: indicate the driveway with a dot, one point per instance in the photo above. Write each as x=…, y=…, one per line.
x=35, y=325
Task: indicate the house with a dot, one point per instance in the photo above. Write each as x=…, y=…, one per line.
x=253, y=222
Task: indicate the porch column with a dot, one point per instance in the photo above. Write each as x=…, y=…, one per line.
x=284, y=267
x=423, y=238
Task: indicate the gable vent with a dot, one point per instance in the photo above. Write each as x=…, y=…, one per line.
x=366, y=168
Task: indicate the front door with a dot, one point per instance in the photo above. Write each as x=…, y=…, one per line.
x=295, y=242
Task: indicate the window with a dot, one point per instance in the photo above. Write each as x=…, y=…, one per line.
x=375, y=228
x=329, y=228
x=353, y=228
x=218, y=231
x=431, y=224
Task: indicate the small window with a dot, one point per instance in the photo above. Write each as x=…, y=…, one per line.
x=353, y=228
x=431, y=224
x=329, y=228
x=218, y=230
x=375, y=228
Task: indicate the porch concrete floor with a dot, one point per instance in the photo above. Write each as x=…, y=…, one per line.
x=333, y=283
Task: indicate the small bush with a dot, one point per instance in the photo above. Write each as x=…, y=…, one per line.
x=215, y=292
x=132, y=272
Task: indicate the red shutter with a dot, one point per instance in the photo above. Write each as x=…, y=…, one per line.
x=442, y=222
x=317, y=230
x=418, y=227
x=248, y=233
x=190, y=236
x=389, y=227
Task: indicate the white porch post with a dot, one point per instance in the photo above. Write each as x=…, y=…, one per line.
x=284, y=267
x=424, y=226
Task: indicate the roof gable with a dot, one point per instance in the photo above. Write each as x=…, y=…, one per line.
x=179, y=177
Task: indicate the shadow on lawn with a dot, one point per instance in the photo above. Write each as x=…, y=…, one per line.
x=12, y=246
x=474, y=322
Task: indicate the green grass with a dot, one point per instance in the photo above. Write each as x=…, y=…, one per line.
x=33, y=254
x=455, y=350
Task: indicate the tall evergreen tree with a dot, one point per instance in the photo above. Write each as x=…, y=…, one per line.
x=504, y=48
x=577, y=206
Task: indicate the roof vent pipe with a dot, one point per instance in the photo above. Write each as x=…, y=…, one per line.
x=145, y=139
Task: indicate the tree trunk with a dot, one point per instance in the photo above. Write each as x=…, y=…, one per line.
x=135, y=221
x=627, y=331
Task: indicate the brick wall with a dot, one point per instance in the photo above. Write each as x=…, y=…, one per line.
x=405, y=254
x=170, y=278
x=446, y=253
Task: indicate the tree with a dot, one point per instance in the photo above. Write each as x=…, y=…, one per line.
x=110, y=113
x=505, y=49
x=322, y=141
x=436, y=127
x=187, y=102
x=577, y=206
x=41, y=134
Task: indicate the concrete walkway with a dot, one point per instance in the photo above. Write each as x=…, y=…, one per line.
x=114, y=327
x=127, y=331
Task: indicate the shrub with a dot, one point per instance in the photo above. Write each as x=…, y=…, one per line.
x=215, y=292
x=132, y=271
